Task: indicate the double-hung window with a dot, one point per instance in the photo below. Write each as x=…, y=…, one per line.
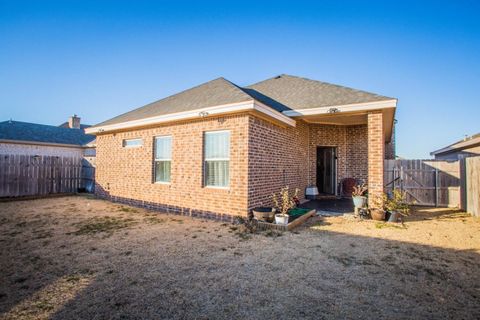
x=217, y=158
x=163, y=158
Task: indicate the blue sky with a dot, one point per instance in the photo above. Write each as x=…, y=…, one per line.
x=102, y=58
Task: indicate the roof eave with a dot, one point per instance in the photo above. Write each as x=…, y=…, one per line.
x=245, y=106
x=41, y=143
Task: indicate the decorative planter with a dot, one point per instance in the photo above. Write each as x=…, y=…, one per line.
x=377, y=214
x=262, y=225
x=394, y=215
x=359, y=201
x=264, y=213
x=281, y=219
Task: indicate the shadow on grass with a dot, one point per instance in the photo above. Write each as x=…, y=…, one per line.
x=429, y=213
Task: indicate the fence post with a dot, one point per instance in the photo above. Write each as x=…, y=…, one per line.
x=436, y=187
x=401, y=179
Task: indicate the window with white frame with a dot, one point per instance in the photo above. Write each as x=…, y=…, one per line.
x=163, y=158
x=131, y=143
x=217, y=158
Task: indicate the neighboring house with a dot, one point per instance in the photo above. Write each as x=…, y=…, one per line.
x=67, y=140
x=468, y=147
x=219, y=150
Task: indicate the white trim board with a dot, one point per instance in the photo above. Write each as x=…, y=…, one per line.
x=343, y=108
x=198, y=113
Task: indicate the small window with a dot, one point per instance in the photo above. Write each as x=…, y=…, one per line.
x=130, y=143
x=163, y=158
x=217, y=158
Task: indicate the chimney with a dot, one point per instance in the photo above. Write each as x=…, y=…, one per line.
x=74, y=122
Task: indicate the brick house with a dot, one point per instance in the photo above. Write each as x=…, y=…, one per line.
x=220, y=150
x=66, y=140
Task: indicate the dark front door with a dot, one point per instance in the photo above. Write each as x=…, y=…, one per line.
x=326, y=169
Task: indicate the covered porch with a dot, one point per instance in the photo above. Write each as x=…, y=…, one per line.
x=346, y=143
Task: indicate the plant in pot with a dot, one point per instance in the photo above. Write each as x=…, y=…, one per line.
x=397, y=206
x=377, y=209
x=283, y=203
x=358, y=196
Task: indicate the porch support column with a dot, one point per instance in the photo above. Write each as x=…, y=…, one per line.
x=376, y=155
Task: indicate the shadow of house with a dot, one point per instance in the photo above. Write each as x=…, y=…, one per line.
x=414, y=281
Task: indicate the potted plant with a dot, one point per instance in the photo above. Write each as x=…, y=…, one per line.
x=283, y=203
x=358, y=196
x=264, y=213
x=397, y=206
x=377, y=210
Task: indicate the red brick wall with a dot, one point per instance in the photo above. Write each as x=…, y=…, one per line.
x=126, y=174
x=264, y=157
x=376, y=155
x=351, y=144
x=277, y=157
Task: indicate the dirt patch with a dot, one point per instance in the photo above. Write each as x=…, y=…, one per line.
x=79, y=257
x=106, y=225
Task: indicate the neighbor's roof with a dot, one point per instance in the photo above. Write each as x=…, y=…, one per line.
x=82, y=126
x=213, y=93
x=466, y=143
x=281, y=93
x=287, y=92
x=33, y=132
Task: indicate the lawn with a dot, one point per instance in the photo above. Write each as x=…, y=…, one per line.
x=83, y=258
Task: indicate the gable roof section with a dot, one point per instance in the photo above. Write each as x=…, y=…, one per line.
x=33, y=132
x=285, y=93
x=213, y=93
x=278, y=98
x=466, y=143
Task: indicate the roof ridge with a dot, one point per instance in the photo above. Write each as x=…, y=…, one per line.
x=175, y=95
x=319, y=81
x=238, y=87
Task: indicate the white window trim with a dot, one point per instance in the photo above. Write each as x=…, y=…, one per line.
x=205, y=185
x=155, y=160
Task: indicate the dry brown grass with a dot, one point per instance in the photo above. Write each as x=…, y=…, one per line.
x=78, y=257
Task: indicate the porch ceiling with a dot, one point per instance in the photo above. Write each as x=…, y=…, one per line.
x=352, y=118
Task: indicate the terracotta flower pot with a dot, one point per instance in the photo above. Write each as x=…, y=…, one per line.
x=377, y=214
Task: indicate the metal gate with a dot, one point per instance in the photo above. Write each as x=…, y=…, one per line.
x=425, y=182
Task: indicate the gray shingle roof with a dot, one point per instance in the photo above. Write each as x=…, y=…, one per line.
x=287, y=92
x=213, y=93
x=24, y=131
x=281, y=93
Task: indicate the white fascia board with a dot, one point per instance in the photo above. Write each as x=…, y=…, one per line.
x=260, y=107
x=40, y=143
x=343, y=108
x=198, y=113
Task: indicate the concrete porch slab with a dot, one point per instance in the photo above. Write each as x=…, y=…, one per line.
x=333, y=207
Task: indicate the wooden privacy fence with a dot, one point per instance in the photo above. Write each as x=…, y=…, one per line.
x=27, y=175
x=425, y=182
x=472, y=185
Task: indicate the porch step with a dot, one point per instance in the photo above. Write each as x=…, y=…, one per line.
x=326, y=197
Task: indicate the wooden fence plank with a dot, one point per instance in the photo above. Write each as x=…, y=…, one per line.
x=426, y=182
x=472, y=168
x=27, y=175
